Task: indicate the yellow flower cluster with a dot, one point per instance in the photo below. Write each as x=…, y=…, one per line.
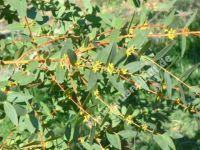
x=131, y=31
x=123, y=71
x=113, y=108
x=79, y=64
x=11, y=84
x=130, y=51
x=144, y=127
x=96, y=94
x=81, y=140
x=138, y=86
x=171, y=33
x=144, y=26
x=86, y=118
x=111, y=68
x=129, y=119
x=97, y=66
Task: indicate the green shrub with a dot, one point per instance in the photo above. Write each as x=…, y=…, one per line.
x=80, y=78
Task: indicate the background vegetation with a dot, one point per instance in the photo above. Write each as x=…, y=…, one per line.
x=63, y=63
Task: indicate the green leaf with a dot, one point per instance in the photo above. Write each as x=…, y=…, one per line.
x=23, y=78
x=191, y=19
x=60, y=73
x=21, y=111
x=15, y=26
x=136, y=3
x=139, y=40
x=169, y=84
x=164, y=51
x=87, y=146
x=135, y=66
x=143, y=15
x=186, y=74
x=118, y=58
x=117, y=83
x=169, y=19
x=88, y=5
x=175, y=135
x=107, y=54
x=11, y=113
x=166, y=6
x=169, y=141
x=92, y=134
x=114, y=140
x=31, y=123
x=164, y=141
x=92, y=80
x=128, y=134
x=183, y=45
x=18, y=97
x=117, y=23
x=93, y=34
x=195, y=89
x=66, y=45
x=72, y=56
x=5, y=73
x=45, y=109
x=114, y=36
x=139, y=80
x=20, y=6
x=32, y=66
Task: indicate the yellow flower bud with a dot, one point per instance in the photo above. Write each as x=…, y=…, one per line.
x=144, y=127
x=123, y=71
x=129, y=119
x=111, y=68
x=130, y=51
x=86, y=118
x=96, y=93
x=97, y=66
x=171, y=33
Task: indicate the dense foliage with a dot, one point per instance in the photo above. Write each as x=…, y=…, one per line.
x=78, y=77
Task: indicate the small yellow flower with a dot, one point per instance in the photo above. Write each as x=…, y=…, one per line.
x=130, y=51
x=96, y=93
x=113, y=108
x=86, y=118
x=97, y=66
x=62, y=65
x=79, y=64
x=131, y=31
x=11, y=84
x=3, y=89
x=178, y=101
x=129, y=119
x=193, y=110
x=123, y=71
x=111, y=68
x=171, y=33
x=81, y=140
x=81, y=112
x=144, y=26
x=98, y=140
x=138, y=86
x=144, y=127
